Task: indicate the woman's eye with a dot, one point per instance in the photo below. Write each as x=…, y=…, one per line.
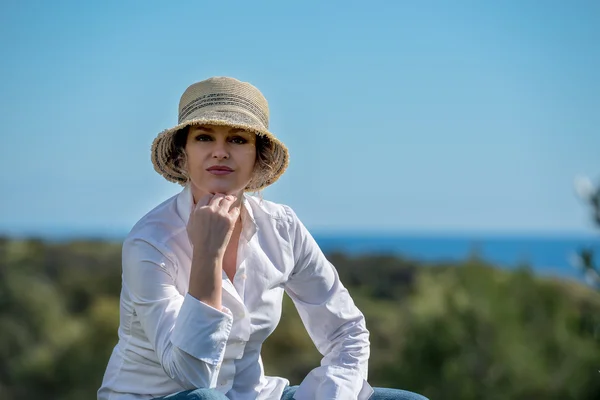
x=203, y=138
x=238, y=140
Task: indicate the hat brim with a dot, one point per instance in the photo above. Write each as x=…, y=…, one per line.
x=163, y=149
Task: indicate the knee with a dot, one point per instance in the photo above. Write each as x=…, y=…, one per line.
x=395, y=394
x=197, y=394
x=207, y=394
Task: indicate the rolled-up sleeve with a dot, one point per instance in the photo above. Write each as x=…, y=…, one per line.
x=334, y=323
x=188, y=336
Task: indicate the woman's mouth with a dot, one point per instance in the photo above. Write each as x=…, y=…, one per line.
x=219, y=170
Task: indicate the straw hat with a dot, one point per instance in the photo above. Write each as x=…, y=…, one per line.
x=220, y=101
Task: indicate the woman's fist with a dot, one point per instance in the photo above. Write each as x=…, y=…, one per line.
x=211, y=224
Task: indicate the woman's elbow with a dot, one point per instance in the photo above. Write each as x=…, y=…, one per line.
x=187, y=371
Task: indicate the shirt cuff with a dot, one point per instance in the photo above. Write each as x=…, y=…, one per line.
x=201, y=330
x=334, y=382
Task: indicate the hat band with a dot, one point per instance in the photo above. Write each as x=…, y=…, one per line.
x=223, y=99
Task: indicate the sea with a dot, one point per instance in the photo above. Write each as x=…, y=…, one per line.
x=554, y=255
x=545, y=255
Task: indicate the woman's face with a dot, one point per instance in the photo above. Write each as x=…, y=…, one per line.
x=220, y=159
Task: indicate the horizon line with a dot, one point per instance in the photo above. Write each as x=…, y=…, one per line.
x=55, y=233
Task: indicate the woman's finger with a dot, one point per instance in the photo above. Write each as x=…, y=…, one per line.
x=227, y=202
x=216, y=200
x=235, y=211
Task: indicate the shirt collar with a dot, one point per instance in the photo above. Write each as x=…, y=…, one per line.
x=185, y=203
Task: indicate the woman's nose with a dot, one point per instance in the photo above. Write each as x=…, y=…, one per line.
x=220, y=151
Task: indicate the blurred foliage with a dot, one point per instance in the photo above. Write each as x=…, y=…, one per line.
x=465, y=331
x=587, y=256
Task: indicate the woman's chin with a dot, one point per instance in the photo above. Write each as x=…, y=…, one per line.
x=226, y=190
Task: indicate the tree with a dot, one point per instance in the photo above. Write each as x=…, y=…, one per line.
x=585, y=260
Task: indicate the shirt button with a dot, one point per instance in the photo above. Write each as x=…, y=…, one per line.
x=244, y=276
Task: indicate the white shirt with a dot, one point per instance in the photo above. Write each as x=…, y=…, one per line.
x=169, y=341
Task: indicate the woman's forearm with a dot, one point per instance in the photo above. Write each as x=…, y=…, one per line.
x=206, y=278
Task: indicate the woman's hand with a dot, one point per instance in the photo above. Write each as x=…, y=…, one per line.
x=211, y=224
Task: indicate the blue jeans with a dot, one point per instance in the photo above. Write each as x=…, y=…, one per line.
x=288, y=393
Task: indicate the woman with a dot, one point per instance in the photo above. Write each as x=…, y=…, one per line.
x=204, y=272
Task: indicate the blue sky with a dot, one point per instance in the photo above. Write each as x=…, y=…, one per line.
x=430, y=116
